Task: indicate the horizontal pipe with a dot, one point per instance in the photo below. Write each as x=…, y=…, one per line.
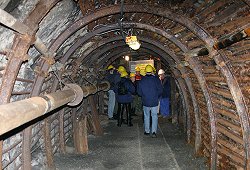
x=17, y=113
x=40, y=46
x=13, y=23
x=103, y=86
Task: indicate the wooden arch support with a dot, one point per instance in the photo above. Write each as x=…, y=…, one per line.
x=175, y=58
x=151, y=28
x=22, y=44
x=195, y=66
x=196, y=29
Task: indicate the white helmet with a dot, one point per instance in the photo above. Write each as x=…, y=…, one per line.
x=161, y=72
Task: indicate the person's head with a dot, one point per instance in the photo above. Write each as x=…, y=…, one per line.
x=110, y=68
x=121, y=69
x=132, y=77
x=124, y=74
x=137, y=70
x=161, y=74
x=149, y=69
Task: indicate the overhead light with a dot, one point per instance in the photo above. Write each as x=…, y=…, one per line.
x=135, y=46
x=133, y=42
x=127, y=58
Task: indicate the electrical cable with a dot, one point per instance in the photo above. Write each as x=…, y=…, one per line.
x=120, y=21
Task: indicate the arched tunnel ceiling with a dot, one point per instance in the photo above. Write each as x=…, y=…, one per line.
x=191, y=26
x=173, y=35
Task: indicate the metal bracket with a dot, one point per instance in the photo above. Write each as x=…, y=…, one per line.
x=78, y=93
x=41, y=73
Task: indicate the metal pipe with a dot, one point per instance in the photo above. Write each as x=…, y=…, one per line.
x=17, y=113
x=103, y=86
x=13, y=23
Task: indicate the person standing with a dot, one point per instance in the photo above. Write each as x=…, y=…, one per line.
x=133, y=105
x=150, y=90
x=113, y=77
x=124, y=92
x=137, y=73
x=137, y=100
x=164, y=101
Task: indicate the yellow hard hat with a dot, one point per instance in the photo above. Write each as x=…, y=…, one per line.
x=132, y=75
x=142, y=72
x=124, y=74
x=154, y=70
x=149, y=69
x=121, y=69
x=110, y=67
x=137, y=68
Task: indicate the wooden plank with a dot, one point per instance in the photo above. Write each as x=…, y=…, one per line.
x=83, y=136
x=238, y=139
x=48, y=145
x=96, y=122
x=230, y=124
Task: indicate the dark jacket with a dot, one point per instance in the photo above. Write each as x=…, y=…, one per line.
x=150, y=89
x=113, y=79
x=166, y=87
x=127, y=98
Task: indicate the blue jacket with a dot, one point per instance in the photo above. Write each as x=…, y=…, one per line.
x=150, y=90
x=113, y=79
x=127, y=98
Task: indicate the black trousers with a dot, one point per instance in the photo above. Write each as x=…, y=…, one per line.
x=121, y=108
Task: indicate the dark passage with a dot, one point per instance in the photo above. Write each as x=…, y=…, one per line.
x=128, y=148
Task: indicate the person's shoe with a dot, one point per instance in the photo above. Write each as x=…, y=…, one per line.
x=124, y=121
x=115, y=116
x=111, y=118
x=130, y=124
x=154, y=135
x=147, y=134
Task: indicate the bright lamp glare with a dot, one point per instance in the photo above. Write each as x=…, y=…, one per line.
x=135, y=46
x=127, y=58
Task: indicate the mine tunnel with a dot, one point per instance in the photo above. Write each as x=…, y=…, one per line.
x=54, y=55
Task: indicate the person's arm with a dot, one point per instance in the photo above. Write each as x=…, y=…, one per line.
x=131, y=87
x=138, y=88
x=159, y=87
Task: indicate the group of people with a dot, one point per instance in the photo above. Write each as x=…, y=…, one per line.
x=151, y=89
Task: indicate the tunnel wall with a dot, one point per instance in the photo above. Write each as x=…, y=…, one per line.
x=214, y=84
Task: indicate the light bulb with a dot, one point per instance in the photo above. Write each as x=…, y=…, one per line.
x=135, y=46
x=127, y=58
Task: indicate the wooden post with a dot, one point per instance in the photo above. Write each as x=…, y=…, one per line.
x=61, y=131
x=173, y=100
x=82, y=147
x=96, y=122
x=48, y=145
x=75, y=127
x=26, y=148
x=101, y=102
